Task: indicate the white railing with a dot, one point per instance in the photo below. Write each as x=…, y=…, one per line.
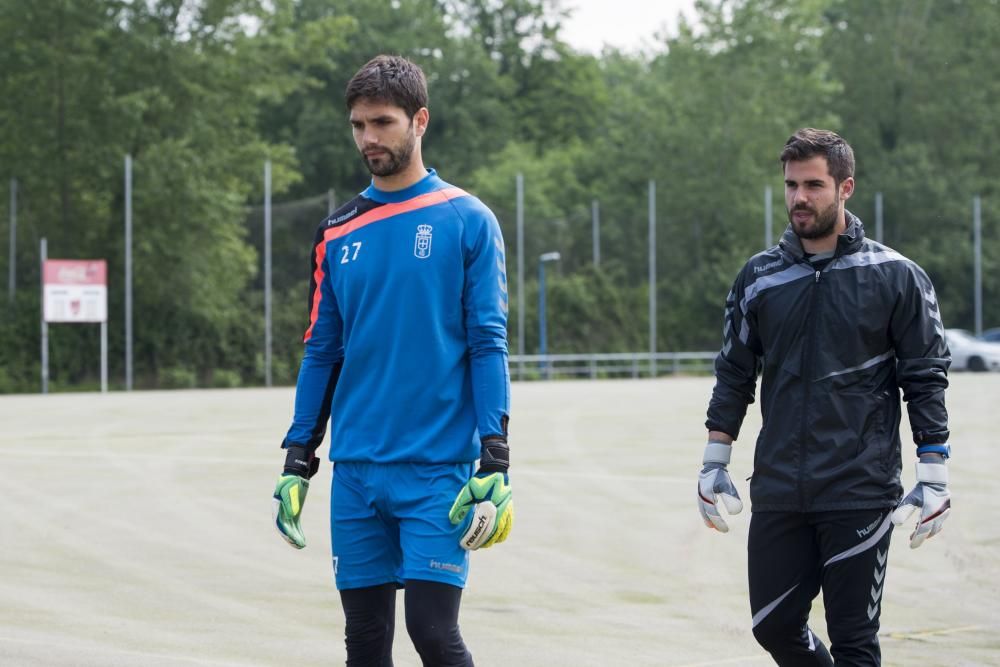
x=609, y=365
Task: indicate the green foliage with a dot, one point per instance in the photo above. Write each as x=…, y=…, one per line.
x=178, y=377
x=200, y=94
x=20, y=365
x=591, y=311
x=923, y=96
x=226, y=379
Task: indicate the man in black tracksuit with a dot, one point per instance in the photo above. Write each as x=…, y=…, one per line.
x=836, y=324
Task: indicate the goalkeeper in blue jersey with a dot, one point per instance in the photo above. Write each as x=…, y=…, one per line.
x=406, y=358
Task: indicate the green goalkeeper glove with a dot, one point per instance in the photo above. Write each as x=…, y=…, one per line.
x=488, y=494
x=290, y=494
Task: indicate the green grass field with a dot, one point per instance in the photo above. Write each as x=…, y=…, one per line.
x=137, y=531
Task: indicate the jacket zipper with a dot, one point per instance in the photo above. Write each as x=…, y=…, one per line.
x=807, y=379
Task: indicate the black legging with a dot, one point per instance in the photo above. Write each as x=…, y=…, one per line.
x=431, y=621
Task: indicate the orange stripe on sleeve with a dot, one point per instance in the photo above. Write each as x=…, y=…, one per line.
x=318, y=276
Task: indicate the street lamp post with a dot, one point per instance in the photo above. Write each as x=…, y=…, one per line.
x=542, y=333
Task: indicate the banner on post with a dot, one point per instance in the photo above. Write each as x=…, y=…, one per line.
x=75, y=290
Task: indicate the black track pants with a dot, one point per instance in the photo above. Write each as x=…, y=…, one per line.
x=431, y=621
x=792, y=556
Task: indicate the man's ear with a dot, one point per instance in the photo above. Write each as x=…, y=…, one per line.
x=420, y=121
x=847, y=188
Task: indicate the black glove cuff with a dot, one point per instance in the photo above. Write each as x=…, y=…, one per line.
x=301, y=461
x=494, y=456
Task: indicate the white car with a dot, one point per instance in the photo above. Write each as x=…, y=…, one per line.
x=969, y=353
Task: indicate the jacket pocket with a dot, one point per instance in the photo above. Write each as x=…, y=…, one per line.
x=874, y=445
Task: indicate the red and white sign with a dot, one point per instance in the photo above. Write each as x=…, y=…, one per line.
x=75, y=290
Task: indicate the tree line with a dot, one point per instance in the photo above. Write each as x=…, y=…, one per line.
x=200, y=94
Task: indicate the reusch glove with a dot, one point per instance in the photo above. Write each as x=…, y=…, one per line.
x=488, y=494
x=290, y=494
x=931, y=496
x=713, y=482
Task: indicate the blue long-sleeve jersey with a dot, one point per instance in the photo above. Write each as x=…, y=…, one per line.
x=406, y=351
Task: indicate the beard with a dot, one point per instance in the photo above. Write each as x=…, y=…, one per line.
x=395, y=159
x=822, y=224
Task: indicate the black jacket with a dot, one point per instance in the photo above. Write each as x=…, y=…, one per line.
x=834, y=347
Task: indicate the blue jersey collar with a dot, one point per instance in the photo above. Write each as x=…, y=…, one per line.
x=428, y=183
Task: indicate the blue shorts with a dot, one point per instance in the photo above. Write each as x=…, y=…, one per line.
x=389, y=522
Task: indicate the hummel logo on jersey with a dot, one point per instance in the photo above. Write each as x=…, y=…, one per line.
x=862, y=532
x=422, y=244
x=764, y=267
x=340, y=218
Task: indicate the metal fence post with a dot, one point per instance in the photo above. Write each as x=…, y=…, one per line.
x=768, y=216
x=520, y=269
x=43, y=253
x=652, y=277
x=12, y=265
x=878, y=217
x=128, y=273
x=977, y=270
x=595, y=215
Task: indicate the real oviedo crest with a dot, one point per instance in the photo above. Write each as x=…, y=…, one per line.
x=422, y=244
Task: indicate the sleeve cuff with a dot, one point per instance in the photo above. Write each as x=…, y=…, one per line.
x=943, y=450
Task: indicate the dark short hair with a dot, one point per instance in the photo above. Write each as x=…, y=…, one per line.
x=809, y=142
x=391, y=79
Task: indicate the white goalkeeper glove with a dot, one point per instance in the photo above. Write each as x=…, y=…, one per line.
x=931, y=496
x=714, y=482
